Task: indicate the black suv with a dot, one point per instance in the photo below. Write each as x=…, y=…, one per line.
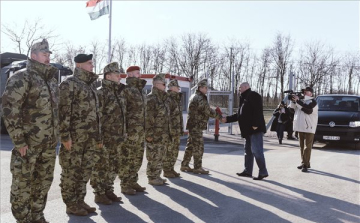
x=339, y=118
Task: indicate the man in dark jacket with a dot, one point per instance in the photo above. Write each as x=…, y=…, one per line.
x=252, y=126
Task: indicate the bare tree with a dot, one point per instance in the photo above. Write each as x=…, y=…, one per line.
x=66, y=57
x=98, y=49
x=172, y=62
x=352, y=67
x=236, y=57
x=316, y=62
x=145, y=54
x=158, y=58
x=132, y=55
x=281, y=53
x=264, y=70
x=119, y=53
x=29, y=33
x=192, y=53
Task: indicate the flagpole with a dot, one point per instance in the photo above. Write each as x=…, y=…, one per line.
x=109, y=52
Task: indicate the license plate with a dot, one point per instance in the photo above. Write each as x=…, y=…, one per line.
x=331, y=137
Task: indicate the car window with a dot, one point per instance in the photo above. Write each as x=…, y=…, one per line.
x=338, y=103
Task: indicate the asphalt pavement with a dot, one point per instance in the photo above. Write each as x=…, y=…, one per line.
x=329, y=192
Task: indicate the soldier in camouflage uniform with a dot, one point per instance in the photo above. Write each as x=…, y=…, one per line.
x=199, y=113
x=30, y=108
x=157, y=129
x=133, y=99
x=112, y=126
x=80, y=132
x=177, y=129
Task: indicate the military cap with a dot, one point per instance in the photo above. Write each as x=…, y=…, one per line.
x=132, y=68
x=82, y=58
x=159, y=77
x=112, y=68
x=42, y=46
x=173, y=83
x=203, y=83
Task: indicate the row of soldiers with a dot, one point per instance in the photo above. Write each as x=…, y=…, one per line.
x=103, y=132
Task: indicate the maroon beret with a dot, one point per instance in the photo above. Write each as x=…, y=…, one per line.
x=132, y=68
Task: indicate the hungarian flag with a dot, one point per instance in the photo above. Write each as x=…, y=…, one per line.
x=97, y=8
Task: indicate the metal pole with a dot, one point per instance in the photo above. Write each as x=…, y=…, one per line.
x=109, y=52
x=231, y=97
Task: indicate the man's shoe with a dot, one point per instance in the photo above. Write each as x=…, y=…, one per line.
x=76, y=210
x=244, y=174
x=291, y=138
x=102, y=199
x=186, y=169
x=41, y=220
x=169, y=174
x=112, y=196
x=260, y=177
x=138, y=188
x=156, y=182
x=304, y=169
x=87, y=207
x=175, y=173
x=201, y=171
x=280, y=141
x=300, y=167
x=128, y=191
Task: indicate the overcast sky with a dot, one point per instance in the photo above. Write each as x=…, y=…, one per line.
x=335, y=23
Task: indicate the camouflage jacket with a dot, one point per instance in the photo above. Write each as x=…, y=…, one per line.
x=133, y=99
x=79, y=108
x=157, y=116
x=112, y=119
x=30, y=105
x=199, y=112
x=176, y=117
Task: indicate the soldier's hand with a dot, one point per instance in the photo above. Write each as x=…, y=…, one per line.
x=23, y=150
x=67, y=144
x=149, y=139
x=223, y=120
x=254, y=127
x=100, y=145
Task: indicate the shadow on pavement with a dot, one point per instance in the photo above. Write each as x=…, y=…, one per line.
x=157, y=211
x=229, y=209
x=335, y=210
x=116, y=213
x=333, y=175
x=81, y=219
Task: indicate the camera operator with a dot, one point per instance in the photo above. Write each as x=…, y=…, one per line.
x=305, y=122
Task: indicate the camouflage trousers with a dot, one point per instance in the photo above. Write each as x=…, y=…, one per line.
x=32, y=176
x=155, y=154
x=106, y=169
x=131, y=157
x=194, y=147
x=77, y=165
x=171, y=154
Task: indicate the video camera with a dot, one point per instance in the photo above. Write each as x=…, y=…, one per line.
x=291, y=93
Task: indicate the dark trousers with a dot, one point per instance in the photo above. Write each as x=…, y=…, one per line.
x=280, y=130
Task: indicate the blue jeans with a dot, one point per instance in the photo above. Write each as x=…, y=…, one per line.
x=254, y=147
